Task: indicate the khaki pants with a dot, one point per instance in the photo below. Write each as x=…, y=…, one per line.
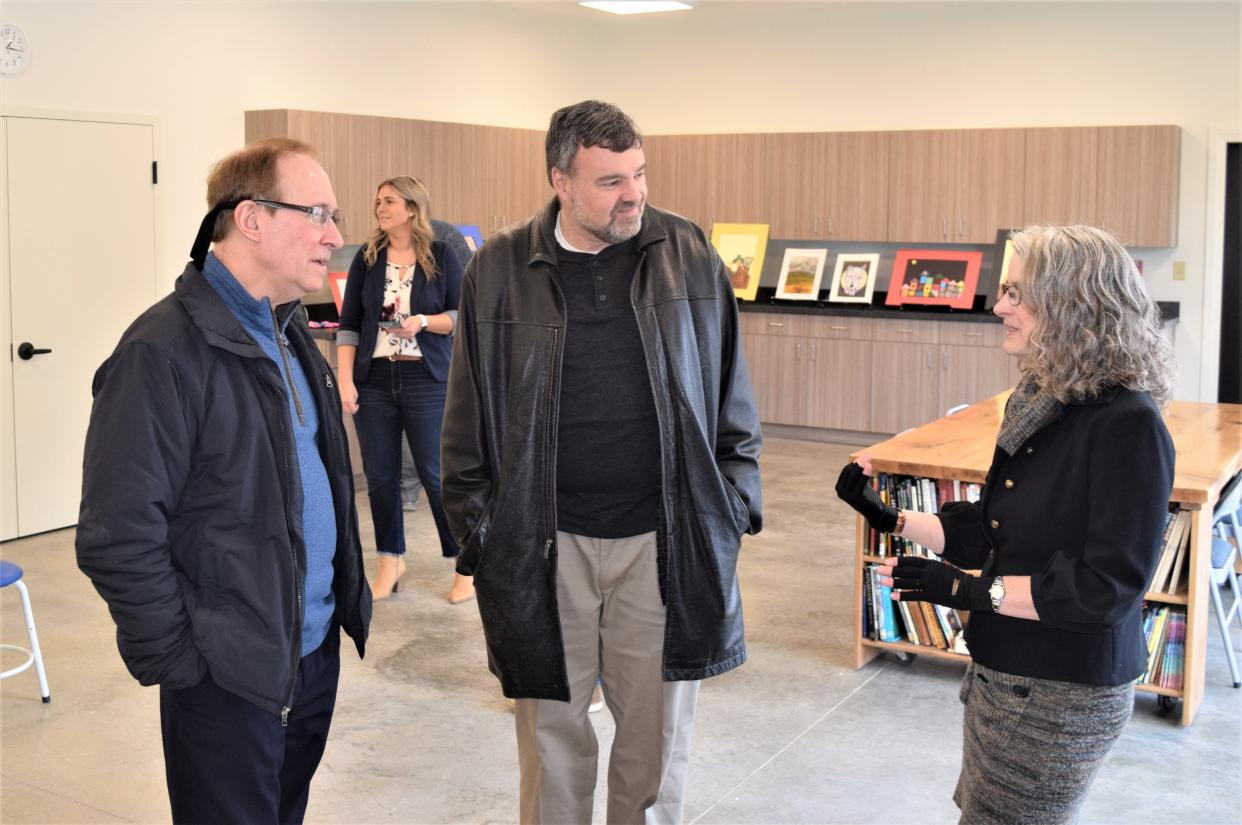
x=612, y=621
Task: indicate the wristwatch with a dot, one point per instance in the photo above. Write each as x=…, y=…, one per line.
x=997, y=592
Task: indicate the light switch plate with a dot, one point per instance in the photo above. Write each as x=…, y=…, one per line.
x=1179, y=270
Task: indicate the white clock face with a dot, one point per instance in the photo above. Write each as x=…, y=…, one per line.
x=14, y=49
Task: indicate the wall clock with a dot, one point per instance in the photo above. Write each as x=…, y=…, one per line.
x=14, y=49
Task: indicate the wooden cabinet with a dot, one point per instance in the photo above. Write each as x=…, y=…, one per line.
x=503, y=176
x=955, y=186
x=869, y=375
x=1122, y=178
x=1060, y=181
x=940, y=186
x=809, y=370
x=483, y=175
x=826, y=185
x=1139, y=174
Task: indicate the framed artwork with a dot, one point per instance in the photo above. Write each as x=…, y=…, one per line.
x=474, y=235
x=336, y=281
x=741, y=246
x=934, y=277
x=801, y=272
x=853, y=280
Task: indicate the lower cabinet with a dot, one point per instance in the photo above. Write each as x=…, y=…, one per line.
x=810, y=382
x=870, y=375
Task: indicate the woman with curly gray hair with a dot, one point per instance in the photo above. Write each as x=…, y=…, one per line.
x=1066, y=535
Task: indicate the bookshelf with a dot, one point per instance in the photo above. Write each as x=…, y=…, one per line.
x=1208, y=442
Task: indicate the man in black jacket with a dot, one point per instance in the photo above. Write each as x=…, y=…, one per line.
x=600, y=465
x=217, y=516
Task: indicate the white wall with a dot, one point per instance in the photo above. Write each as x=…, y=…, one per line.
x=745, y=66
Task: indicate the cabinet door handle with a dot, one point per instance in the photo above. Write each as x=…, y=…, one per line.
x=961, y=227
x=944, y=228
x=974, y=335
x=944, y=359
x=814, y=352
x=838, y=326
x=815, y=225
x=929, y=359
x=797, y=352
x=775, y=324
x=830, y=227
x=903, y=331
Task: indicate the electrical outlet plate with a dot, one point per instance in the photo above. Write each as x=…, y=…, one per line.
x=1179, y=270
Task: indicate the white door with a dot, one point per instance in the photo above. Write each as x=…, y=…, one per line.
x=81, y=240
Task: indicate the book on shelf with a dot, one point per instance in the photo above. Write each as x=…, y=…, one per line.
x=1174, y=541
x=1179, y=558
x=916, y=495
x=920, y=623
x=1164, y=628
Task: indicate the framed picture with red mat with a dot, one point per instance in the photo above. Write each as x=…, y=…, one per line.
x=934, y=277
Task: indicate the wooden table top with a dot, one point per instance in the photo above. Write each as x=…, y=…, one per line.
x=1207, y=437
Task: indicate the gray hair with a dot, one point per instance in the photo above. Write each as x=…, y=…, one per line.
x=1095, y=325
x=583, y=125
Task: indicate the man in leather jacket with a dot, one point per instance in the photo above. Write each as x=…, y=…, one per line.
x=600, y=466
x=217, y=516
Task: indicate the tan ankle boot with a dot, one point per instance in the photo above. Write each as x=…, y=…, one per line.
x=463, y=589
x=387, y=579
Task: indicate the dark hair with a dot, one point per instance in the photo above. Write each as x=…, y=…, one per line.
x=583, y=125
x=249, y=173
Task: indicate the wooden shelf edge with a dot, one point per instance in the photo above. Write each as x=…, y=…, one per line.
x=1145, y=688
x=1180, y=597
x=921, y=650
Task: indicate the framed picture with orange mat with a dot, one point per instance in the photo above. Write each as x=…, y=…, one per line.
x=934, y=277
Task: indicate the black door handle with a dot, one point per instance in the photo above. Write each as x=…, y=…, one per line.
x=26, y=351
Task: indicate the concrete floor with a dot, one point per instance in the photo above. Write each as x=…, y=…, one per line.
x=422, y=734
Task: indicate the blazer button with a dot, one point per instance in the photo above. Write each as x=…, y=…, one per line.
x=1030, y=450
x=1009, y=484
x=995, y=524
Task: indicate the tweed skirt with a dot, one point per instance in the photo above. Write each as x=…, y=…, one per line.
x=1032, y=747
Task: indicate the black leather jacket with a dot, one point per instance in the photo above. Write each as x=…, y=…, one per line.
x=499, y=447
x=190, y=495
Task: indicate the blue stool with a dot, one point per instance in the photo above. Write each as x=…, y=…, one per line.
x=12, y=574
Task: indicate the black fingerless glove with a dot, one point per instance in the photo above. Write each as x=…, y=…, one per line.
x=927, y=580
x=854, y=489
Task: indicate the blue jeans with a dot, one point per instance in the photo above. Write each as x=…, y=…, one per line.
x=401, y=397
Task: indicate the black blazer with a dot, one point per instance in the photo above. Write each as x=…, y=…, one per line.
x=364, y=295
x=1079, y=508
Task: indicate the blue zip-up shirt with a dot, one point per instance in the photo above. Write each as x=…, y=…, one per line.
x=318, y=515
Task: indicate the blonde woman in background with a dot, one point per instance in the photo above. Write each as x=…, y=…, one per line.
x=393, y=350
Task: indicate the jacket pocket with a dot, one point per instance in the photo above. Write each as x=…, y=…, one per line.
x=471, y=555
x=741, y=514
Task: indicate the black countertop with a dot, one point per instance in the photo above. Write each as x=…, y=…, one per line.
x=1168, y=311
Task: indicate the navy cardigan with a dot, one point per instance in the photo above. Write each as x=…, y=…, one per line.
x=1079, y=508
x=364, y=294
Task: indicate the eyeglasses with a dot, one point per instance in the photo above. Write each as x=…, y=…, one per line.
x=317, y=215
x=1011, y=291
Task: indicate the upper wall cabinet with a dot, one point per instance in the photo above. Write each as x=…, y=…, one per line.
x=826, y=185
x=955, y=186
x=708, y=178
x=1122, y=178
x=483, y=175
x=1140, y=170
x=941, y=186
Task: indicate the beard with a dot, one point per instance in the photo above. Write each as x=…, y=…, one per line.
x=617, y=229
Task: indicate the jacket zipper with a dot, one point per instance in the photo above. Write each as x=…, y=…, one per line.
x=660, y=424
x=550, y=456
x=282, y=343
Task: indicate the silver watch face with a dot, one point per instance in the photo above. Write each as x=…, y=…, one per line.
x=997, y=592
